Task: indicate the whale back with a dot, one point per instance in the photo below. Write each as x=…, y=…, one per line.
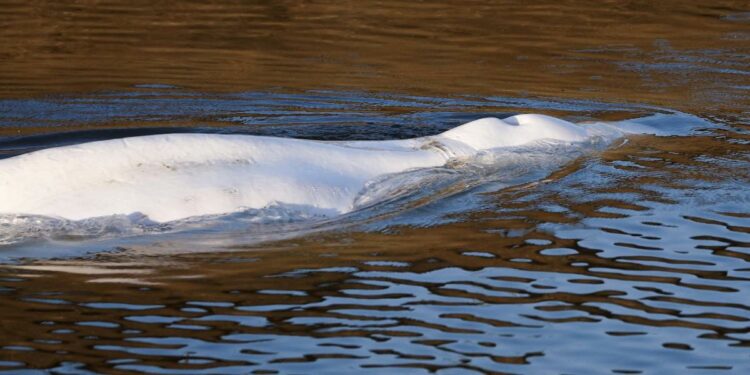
x=174, y=176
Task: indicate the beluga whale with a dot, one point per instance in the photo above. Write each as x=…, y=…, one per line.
x=170, y=177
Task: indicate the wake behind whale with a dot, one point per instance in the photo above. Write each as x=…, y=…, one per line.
x=179, y=177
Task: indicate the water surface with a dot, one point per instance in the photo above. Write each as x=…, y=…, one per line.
x=632, y=259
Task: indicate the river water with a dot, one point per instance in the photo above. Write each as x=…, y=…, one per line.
x=629, y=259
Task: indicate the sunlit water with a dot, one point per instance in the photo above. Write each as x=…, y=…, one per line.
x=630, y=258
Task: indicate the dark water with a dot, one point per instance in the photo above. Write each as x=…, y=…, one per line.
x=635, y=259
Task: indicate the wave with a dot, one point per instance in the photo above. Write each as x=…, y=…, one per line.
x=176, y=182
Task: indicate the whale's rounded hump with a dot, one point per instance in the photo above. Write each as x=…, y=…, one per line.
x=548, y=127
x=491, y=132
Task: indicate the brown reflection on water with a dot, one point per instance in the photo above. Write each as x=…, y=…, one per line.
x=674, y=53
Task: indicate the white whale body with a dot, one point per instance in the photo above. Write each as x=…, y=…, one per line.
x=174, y=176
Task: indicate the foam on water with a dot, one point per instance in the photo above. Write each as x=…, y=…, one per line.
x=154, y=183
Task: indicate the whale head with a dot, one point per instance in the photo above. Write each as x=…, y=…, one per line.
x=491, y=132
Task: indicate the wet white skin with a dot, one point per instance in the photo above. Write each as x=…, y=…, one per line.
x=174, y=176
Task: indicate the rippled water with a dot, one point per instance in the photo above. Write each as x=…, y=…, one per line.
x=633, y=259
